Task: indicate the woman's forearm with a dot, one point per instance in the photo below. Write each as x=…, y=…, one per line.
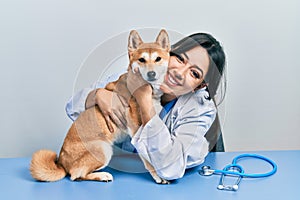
x=146, y=109
x=143, y=97
x=76, y=104
x=91, y=99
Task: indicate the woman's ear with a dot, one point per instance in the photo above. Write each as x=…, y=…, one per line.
x=202, y=85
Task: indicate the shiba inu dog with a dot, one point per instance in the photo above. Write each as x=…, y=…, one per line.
x=87, y=147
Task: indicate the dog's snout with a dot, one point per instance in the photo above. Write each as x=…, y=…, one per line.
x=151, y=75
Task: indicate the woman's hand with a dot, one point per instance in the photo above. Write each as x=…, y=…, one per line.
x=142, y=91
x=111, y=105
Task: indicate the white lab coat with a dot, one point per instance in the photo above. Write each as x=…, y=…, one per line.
x=177, y=142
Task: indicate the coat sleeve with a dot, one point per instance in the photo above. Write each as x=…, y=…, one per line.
x=172, y=151
x=76, y=103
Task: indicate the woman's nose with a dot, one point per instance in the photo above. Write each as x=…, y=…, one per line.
x=178, y=76
x=181, y=71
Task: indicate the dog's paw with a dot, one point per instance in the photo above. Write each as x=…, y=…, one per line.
x=104, y=176
x=95, y=176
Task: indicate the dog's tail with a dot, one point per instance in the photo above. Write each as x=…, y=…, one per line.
x=43, y=166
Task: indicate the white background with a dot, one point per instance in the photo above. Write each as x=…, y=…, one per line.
x=44, y=43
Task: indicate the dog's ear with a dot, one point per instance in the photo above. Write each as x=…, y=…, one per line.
x=163, y=39
x=134, y=40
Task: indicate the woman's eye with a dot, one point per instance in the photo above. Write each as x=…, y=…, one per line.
x=195, y=74
x=142, y=60
x=157, y=59
x=180, y=58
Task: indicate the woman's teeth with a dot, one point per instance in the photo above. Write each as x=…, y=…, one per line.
x=171, y=80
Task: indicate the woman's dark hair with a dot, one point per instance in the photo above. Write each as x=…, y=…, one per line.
x=215, y=52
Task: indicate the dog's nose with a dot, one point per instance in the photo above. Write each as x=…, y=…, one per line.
x=151, y=75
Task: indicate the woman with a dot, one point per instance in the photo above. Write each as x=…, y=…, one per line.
x=174, y=139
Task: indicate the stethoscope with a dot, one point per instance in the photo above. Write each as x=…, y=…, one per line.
x=234, y=169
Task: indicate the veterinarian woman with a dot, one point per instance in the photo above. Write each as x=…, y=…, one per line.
x=176, y=138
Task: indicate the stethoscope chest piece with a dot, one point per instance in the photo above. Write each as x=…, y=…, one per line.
x=206, y=171
x=235, y=186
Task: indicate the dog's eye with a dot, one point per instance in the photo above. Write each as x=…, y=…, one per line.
x=142, y=60
x=157, y=59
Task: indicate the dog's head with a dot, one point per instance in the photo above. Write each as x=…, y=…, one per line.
x=151, y=59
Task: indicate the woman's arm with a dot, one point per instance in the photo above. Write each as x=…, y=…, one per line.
x=142, y=92
x=76, y=103
x=109, y=103
x=91, y=99
x=143, y=97
x=171, y=154
x=171, y=149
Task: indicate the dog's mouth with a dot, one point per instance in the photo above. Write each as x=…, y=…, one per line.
x=150, y=80
x=155, y=82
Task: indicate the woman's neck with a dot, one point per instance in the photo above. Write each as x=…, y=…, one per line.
x=167, y=98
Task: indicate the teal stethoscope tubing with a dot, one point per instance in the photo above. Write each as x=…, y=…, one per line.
x=244, y=175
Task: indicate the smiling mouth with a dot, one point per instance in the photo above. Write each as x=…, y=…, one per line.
x=171, y=81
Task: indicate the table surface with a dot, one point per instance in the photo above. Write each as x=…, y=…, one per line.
x=17, y=183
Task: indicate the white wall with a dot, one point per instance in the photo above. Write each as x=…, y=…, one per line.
x=44, y=43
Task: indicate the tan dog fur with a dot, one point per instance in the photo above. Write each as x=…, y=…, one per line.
x=88, y=143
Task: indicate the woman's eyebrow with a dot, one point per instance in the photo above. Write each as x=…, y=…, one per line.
x=185, y=55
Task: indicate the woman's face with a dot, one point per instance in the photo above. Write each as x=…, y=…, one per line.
x=186, y=71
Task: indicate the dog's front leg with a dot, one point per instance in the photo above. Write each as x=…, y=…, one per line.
x=153, y=173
